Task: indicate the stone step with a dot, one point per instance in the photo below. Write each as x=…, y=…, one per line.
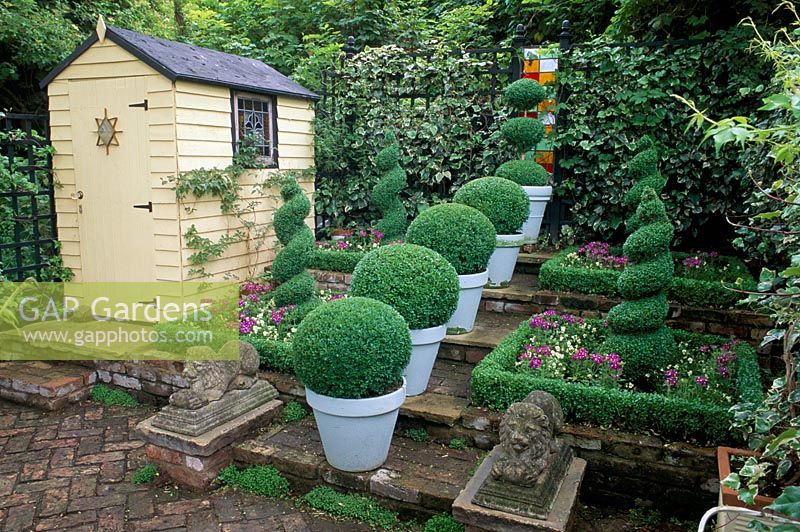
x=418, y=478
x=530, y=261
x=490, y=329
x=48, y=385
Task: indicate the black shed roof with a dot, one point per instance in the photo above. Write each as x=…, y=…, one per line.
x=177, y=60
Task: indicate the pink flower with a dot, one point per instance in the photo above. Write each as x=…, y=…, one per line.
x=671, y=377
x=536, y=363
x=701, y=380
x=581, y=354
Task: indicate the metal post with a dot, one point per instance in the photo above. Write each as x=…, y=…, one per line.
x=517, y=42
x=349, y=48
x=556, y=206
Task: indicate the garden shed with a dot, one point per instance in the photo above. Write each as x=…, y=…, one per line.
x=127, y=112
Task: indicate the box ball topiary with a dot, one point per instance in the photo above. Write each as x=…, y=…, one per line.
x=525, y=172
x=524, y=94
x=504, y=202
x=416, y=281
x=523, y=133
x=462, y=235
x=352, y=348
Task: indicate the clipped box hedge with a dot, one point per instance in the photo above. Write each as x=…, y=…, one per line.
x=496, y=384
x=334, y=260
x=556, y=275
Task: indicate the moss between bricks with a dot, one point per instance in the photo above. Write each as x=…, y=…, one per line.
x=261, y=480
x=497, y=384
x=351, y=506
x=556, y=276
x=145, y=474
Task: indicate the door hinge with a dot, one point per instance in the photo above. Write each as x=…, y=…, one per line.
x=148, y=206
x=143, y=105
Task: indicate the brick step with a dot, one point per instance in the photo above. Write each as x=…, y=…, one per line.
x=490, y=328
x=48, y=385
x=530, y=262
x=418, y=479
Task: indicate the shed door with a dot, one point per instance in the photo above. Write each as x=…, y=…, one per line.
x=117, y=242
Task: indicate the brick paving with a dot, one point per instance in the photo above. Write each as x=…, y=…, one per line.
x=72, y=470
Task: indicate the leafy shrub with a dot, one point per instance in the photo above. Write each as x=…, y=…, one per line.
x=416, y=281
x=352, y=348
x=334, y=260
x=112, y=397
x=293, y=411
x=443, y=523
x=462, y=235
x=629, y=90
x=145, y=474
x=497, y=383
x=296, y=285
x=524, y=94
x=351, y=506
x=385, y=195
x=261, y=479
x=504, y=202
x=525, y=172
x=273, y=354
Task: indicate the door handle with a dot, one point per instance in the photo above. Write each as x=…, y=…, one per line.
x=148, y=206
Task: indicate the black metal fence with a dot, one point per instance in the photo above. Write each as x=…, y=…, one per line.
x=27, y=200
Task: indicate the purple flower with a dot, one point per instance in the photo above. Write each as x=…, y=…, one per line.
x=377, y=234
x=671, y=377
x=597, y=358
x=536, y=363
x=693, y=262
x=540, y=322
x=701, y=380
x=341, y=244
x=581, y=354
x=705, y=348
x=614, y=361
x=543, y=351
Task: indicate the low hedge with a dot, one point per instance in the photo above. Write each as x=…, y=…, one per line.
x=416, y=281
x=333, y=260
x=272, y=354
x=496, y=383
x=557, y=276
x=352, y=348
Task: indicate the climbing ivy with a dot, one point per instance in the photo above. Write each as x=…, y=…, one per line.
x=224, y=184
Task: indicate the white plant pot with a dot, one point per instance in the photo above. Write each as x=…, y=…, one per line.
x=503, y=260
x=356, y=433
x=469, y=298
x=424, y=348
x=538, y=197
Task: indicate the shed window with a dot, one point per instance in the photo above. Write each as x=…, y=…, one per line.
x=255, y=118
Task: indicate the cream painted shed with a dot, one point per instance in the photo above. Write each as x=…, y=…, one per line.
x=127, y=111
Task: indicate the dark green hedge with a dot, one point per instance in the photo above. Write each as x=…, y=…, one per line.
x=272, y=354
x=497, y=384
x=503, y=201
x=556, y=276
x=333, y=260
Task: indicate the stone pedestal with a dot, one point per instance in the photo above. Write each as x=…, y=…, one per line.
x=195, y=460
x=478, y=518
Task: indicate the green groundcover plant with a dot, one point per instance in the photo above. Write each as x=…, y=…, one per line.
x=112, y=397
x=351, y=506
x=702, y=279
x=688, y=398
x=261, y=480
x=416, y=281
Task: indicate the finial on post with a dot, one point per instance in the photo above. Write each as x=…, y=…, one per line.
x=519, y=37
x=349, y=47
x=565, y=35
x=101, y=28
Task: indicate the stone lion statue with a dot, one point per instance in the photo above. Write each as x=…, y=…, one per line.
x=527, y=438
x=210, y=379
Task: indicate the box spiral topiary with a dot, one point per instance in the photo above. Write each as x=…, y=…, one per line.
x=643, y=169
x=295, y=284
x=638, y=333
x=524, y=94
x=386, y=194
x=525, y=172
x=504, y=202
x=352, y=348
x=416, y=281
x=459, y=233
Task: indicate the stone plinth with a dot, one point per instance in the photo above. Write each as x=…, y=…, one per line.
x=478, y=519
x=195, y=461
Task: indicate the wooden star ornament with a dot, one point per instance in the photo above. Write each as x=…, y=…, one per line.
x=107, y=131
